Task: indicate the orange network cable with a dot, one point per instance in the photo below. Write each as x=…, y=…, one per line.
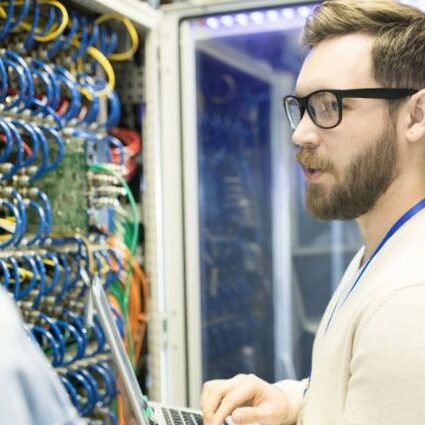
x=138, y=295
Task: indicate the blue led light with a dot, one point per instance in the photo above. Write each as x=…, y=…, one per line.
x=257, y=17
x=288, y=13
x=272, y=15
x=303, y=11
x=288, y=17
x=228, y=21
x=242, y=19
x=213, y=23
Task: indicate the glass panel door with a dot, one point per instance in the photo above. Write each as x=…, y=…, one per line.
x=266, y=269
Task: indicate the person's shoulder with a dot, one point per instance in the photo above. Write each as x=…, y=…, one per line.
x=401, y=262
x=399, y=310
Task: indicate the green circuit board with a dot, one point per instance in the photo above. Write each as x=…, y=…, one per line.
x=66, y=187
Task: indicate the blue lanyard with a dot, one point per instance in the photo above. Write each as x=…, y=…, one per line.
x=399, y=223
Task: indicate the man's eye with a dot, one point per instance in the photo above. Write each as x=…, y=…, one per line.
x=329, y=107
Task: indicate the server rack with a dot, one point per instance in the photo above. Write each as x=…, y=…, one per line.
x=60, y=173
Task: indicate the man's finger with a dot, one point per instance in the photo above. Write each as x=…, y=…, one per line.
x=232, y=400
x=206, y=390
x=249, y=415
x=212, y=395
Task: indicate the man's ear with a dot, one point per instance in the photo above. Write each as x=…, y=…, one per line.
x=416, y=127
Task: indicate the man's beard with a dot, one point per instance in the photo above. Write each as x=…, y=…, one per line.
x=355, y=192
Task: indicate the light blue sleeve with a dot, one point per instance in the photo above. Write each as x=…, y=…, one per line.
x=30, y=390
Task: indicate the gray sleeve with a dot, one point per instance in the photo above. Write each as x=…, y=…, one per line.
x=387, y=373
x=30, y=390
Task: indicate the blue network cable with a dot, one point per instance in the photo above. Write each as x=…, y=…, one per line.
x=6, y=151
x=87, y=393
x=83, y=40
x=41, y=335
x=39, y=134
x=77, y=339
x=60, y=147
x=16, y=279
x=5, y=275
x=50, y=21
x=79, y=324
x=54, y=279
x=37, y=193
x=26, y=130
x=28, y=94
x=108, y=40
x=18, y=199
x=101, y=379
x=64, y=40
x=40, y=233
x=92, y=383
x=48, y=92
x=108, y=377
x=94, y=35
x=119, y=321
x=100, y=339
x=23, y=12
x=29, y=286
x=114, y=110
x=66, y=78
x=41, y=271
x=8, y=19
x=70, y=390
x=55, y=331
x=3, y=81
x=22, y=83
x=30, y=40
x=66, y=278
x=48, y=71
x=46, y=111
x=19, y=154
x=92, y=109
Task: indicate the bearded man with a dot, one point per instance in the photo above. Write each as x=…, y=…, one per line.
x=358, y=116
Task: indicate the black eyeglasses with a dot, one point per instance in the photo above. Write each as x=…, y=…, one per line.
x=325, y=106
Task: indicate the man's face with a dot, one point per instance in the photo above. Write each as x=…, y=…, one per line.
x=347, y=168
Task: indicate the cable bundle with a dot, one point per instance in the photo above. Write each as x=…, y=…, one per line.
x=132, y=146
x=63, y=200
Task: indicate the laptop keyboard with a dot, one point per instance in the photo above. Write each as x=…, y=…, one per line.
x=182, y=417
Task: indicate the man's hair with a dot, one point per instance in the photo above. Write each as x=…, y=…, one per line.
x=398, y=52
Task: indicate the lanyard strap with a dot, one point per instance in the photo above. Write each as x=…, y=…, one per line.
x=396, y=226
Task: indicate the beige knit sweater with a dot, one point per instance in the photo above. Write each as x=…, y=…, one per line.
x=369, y=366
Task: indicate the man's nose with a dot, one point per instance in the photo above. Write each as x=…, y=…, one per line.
x=307, y=133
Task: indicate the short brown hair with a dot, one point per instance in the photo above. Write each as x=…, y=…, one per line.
x=398, y=52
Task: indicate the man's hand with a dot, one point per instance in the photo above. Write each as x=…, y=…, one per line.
x=246, y=398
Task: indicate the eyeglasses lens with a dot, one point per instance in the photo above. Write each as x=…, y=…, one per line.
x=324, y=109
x=293, y=111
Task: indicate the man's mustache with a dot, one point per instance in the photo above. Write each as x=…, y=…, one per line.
x=308, y=159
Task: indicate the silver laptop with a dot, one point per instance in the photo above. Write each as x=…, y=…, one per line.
x=146, y=412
